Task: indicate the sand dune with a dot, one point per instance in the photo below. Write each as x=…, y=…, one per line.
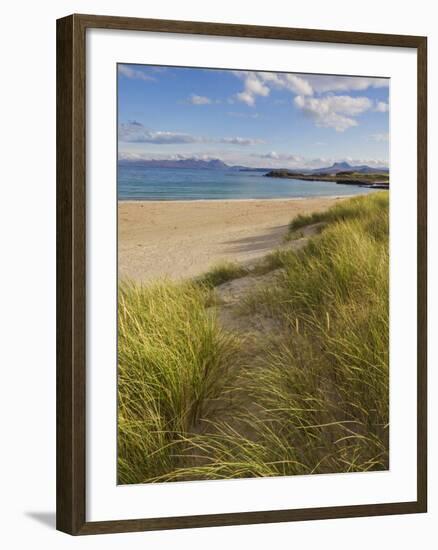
x=183, y=239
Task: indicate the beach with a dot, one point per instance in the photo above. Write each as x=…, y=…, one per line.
x=182, y=239
x=253, y=274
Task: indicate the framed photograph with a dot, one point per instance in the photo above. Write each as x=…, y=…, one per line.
x=241, y=274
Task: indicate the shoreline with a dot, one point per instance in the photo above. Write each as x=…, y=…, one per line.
x=183, y=239
x=178, y=201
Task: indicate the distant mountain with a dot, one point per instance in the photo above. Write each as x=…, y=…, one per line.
x=345, y=167
x=246, y=169
x=217, y=164
x=191, y=163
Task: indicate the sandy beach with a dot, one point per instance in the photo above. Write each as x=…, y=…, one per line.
x=181, y=239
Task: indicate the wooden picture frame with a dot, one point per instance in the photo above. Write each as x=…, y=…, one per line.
x=71, y=274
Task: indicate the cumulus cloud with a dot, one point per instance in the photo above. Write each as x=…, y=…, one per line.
x=298, y=84
x=260, y=84
x=241, y=141
x=253, y=87
x=327, y=83
x=314, y=94
x=292, y=82
x=333, y=111
x=381, y=107
x=199, y=100
x=130, y=72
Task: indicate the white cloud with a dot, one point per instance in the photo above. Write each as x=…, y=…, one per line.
x=291, y=82
x=328, y=83
x=253, y=87
x=381, y=107
x=129, y=72
x=246, y=97
x=298, y=85
x=272, y=155
x=241, y=141
x=314, y=95
x=333, y=111
x=375, y=163
x=199, y=100
x=260, y=84
x=135, y=132
x=297, y=162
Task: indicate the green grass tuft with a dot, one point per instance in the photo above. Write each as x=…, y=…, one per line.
x=221, y=273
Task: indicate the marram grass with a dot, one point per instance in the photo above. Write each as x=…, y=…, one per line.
x=174, y=362
x=313, y=400
x=221, y=273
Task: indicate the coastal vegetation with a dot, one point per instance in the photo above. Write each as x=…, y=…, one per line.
x=221, y=273
x=290, y=376
x=375, y=179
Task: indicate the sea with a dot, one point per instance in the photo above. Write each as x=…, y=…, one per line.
x=161, y=184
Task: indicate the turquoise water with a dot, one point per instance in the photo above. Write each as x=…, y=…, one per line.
x=141, y=183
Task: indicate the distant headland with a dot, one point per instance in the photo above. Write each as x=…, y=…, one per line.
x=339, y=172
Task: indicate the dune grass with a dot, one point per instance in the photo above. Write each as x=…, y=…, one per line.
x=173, y=363
x=222, y=273
x=356, y=208
x=315, y=400
x=326, y=389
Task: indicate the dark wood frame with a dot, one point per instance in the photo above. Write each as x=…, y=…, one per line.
x=71, y=266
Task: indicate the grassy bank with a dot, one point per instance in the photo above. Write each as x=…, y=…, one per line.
x=346, y=177
x=197, y=401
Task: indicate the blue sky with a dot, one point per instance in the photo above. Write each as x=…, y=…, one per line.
x=264, y=119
